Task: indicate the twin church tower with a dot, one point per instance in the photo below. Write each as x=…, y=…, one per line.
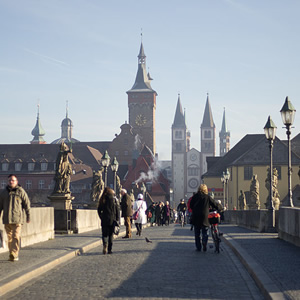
x=188, y=165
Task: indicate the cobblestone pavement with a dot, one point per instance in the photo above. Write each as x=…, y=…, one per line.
x=167, y=268
x=279, y=259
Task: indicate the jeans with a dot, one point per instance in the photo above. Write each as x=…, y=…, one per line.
x=107, y=236
x=198, y=230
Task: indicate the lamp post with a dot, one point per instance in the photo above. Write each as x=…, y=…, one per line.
x=270, y=132
x=114, y=167
x=105, y=160
x=288, y=115
x=225, y=178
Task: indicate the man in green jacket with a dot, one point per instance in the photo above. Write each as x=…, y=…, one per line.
x=13, y=199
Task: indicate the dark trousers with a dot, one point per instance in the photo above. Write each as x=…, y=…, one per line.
x=139, y=228
x=108, y=236
x=198, y=230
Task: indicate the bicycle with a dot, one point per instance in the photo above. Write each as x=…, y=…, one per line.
x=214, y=220
x=181, y=218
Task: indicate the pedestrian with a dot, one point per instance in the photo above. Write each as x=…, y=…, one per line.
x=166, y=214
x=13, y=199
x=140, y=206
x=181, y=209
x=200, y=204
x=126, y=207
x=190, y=211
x=151, y=213
x=108, y=211
x=157, y=213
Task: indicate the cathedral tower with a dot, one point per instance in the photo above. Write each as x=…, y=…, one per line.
x=224, y=137
x=180, y=144
x=208, y=136
x=142, y=104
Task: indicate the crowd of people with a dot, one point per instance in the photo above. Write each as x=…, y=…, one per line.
x=13, y=200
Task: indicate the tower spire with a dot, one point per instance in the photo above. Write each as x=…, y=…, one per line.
x=38, y=132
x=224, y=136
x=179, y=119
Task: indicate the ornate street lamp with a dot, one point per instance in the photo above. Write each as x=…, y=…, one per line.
x=105, y=160
x=225, y=178
x=288, y=114
x=114, y=167
x=270, y=132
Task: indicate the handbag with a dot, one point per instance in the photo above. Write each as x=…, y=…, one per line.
x=116, y=227
x=136, y=213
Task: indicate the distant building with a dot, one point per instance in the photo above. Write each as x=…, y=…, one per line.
x=250, y=156
x=66, y=131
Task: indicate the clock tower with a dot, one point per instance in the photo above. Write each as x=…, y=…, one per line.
x=142, y=104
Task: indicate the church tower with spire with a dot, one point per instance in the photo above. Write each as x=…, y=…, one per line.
x=142, y=104
x=38, y=132
x=224, y=136
x=180, y=147
x=208, y=136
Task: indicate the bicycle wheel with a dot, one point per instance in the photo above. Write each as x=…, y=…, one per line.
x=216, y=239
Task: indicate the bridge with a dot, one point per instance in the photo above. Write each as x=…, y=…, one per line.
x=251, y=265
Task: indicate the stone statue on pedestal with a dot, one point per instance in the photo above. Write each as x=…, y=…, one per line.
x=63, y=172
x=118, y=187
x=242, y=201
x=254, y=202
x=61, y=196
x=97, y=186
x=275, y=196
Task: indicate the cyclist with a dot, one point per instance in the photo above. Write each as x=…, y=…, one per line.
x=200, y=204
x=182, y=208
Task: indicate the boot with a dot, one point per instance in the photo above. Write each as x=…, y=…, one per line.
x=104, y=249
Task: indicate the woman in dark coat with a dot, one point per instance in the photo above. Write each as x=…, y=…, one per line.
x=200, y=204
x=108, y=211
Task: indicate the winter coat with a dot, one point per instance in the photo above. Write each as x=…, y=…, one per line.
x=108, y=210
x=200, y=205
x=142, y=218
x=12, y=203
x=126, y=206
x=151, y=209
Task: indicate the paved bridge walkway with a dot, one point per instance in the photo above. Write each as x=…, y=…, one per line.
x=73, y=267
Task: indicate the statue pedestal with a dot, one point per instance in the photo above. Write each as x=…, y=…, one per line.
x=61, y=201
x=253, y=207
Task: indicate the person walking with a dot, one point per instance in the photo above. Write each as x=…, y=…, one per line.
x=108, y=211
x=126, y=208
x=140, y=206
x=13, y=200
x=200, y=204
x=166, y=214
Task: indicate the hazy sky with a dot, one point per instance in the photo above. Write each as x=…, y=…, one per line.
x=245, y=54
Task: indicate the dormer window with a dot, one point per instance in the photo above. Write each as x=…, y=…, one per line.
x=44, y=166
x=18, y=166
x=30, y=166
x=5, y=166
